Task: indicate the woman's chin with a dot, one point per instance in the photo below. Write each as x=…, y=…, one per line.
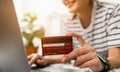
x=72, y=11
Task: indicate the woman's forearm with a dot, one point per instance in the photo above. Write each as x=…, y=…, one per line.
x=115, y=62
x=114, y=57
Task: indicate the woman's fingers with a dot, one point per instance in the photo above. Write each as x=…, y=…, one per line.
x=74, y=54
x=68, y=57
x=84, y=58
x=78, y=37
x=42, y=62
x=89, y=55
x=33, y=59
x=30, y=56
x=93, y=64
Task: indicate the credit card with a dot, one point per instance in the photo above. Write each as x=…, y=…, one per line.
x=55, y=45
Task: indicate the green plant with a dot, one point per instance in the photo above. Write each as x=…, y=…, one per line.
x=31, y=30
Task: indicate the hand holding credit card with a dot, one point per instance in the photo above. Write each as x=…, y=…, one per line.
x=55, y=45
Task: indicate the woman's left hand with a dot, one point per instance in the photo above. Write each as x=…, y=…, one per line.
x=85, y=56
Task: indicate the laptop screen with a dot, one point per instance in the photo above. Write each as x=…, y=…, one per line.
x=12, y=54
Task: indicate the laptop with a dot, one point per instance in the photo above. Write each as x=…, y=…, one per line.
x=12, y=52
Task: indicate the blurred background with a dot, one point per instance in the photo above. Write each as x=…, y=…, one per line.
x=38, y=18
x=49, y=13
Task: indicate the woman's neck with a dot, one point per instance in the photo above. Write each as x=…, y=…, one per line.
x=85, y=14
x=86, y=9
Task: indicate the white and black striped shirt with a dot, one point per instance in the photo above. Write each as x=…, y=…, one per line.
x=104, y=30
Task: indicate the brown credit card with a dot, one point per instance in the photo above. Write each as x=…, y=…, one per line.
x=55, y=45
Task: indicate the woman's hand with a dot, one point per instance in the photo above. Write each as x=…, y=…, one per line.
x=84, y=56
x=37, y=59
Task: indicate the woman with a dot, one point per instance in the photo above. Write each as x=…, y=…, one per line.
x=95, y=27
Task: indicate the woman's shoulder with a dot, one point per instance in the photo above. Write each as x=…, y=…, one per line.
x=108, y=5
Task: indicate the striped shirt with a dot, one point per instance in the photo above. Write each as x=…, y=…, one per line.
x=104, y=30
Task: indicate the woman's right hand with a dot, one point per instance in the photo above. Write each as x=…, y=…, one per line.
x=35, y=58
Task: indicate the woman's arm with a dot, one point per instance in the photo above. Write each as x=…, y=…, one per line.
x=114, y=57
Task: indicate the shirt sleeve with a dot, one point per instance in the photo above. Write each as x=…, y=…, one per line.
x=113, y=29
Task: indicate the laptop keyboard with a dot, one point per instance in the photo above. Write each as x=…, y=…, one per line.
x=38, y=70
